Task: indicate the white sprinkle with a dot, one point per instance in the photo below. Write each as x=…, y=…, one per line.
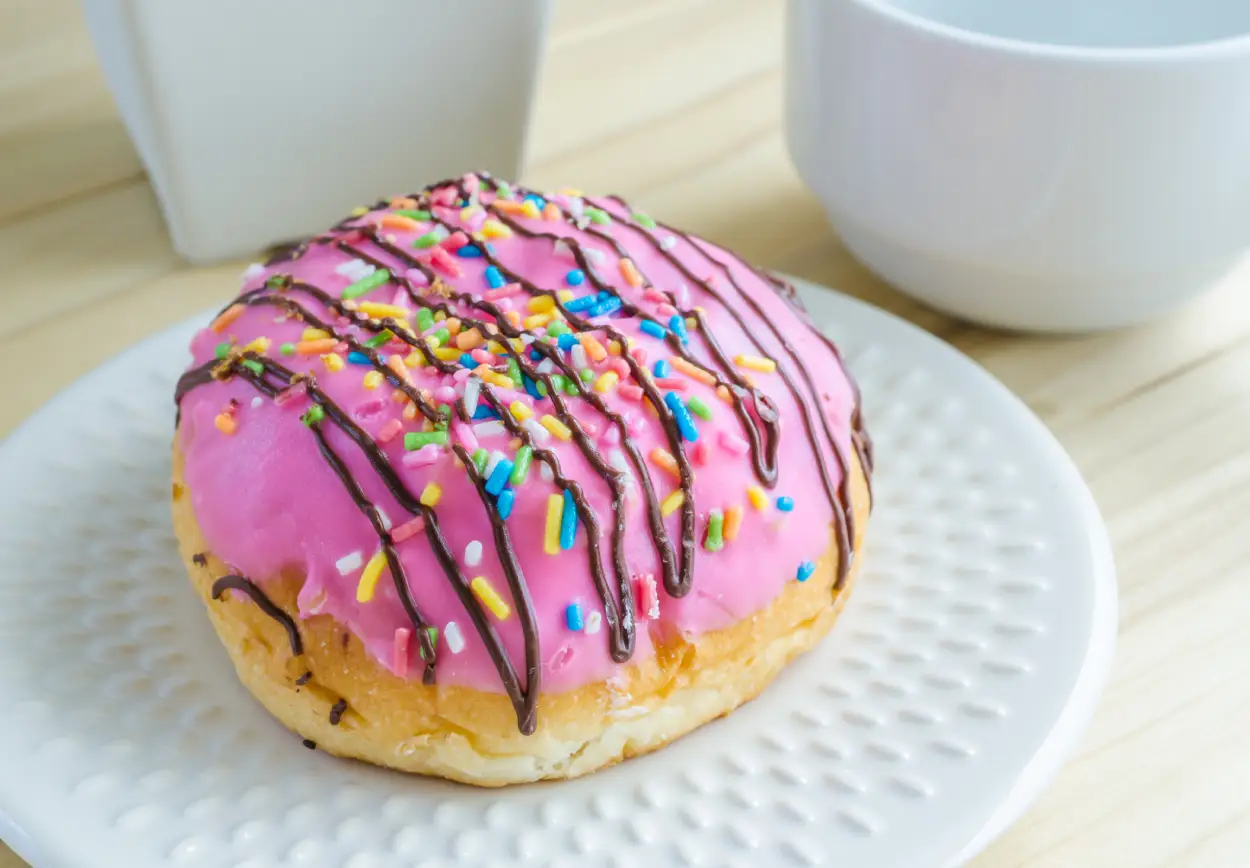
x=545, y=366
x=562, y=248
x=669, y=242
x=349, y=563
x=537, y=431
x=383, y=517
x=473, y=554
x=253, y=271
x=548, y=474
x=683, y=295
x=472, y=389
x=493, y=428
x=580, y=361
x=617, y=459
x=451, y=635
x=593, y=621
x=595, y=256
x=492, y=462
x=527, y=338
x=257, y=401
x=581, y=223
x=355, y=269
x=577, y=206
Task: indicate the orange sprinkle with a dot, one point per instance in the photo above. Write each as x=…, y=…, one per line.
x=507, y=206
x=226, y=317
x=399, y=221
x=315, y=348
x=551, y=211
x=723, y=393
x=410, y=411
x=694, y=371
x=404, y=202
x=614, y=348
x=470, y=339
x=396, y=364
x=593, y=348
x=665, y=461
x=513, y=317
x=225, y=423
x=630, y=272
x=452, y=324
x=733, y=521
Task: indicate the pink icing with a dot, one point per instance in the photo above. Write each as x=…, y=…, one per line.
x=267, y=500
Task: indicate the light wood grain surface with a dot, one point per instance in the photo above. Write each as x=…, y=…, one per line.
x=1158, y=417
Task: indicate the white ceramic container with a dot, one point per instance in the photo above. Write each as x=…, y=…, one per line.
x=260, y=122
x=1037, y=164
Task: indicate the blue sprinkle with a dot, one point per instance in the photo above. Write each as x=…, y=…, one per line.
x=567, y=341
x=356, y=358
x=568, y=522
x=499, y=477
x=469, y=251
x=468, y=361
x=532, y=389
x=681, y=416
x=573, y=616
x=805, y=571
x=653, y=328
x=678, y=325
x=580, y=304
x=535, y=355
x=494, y=277
x=660, y=369
x=785, y=504
x=504, y=504
x=575, y=277
x=484, y=411
x=604, y=306
x=604, y=295
x=538, y=201
x=490, y=248
x=463, y=203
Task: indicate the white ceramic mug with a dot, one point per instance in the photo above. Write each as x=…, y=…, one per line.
x=1034, y=164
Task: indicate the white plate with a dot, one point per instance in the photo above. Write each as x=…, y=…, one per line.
x=969, y=658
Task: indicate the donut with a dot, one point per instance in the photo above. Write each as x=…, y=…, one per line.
x=501, y=486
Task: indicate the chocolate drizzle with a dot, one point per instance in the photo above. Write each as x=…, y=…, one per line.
x=757, y=414
x=247, y=586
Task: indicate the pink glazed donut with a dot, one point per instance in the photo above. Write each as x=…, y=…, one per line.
x=502, y=486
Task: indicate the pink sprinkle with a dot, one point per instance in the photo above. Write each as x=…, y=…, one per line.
x=666, y=310
x=504, y=304
x=471, y=183
x=698, y=453
x=485, y=197
x=732, y=443
x=620, y=366
x=636, y=425
x=446, y=394
x=444, y=262
x=455, y=241
x=673, y=384
x=432, y=372
x=653, y=294
x=459, y=375
x=389, y=430
x=291, y=394
x=480, y=355
x=402, y=636
x=401, y=298
x=397, y=345
x=629, y=391
x=589, y=427
x=639, y=354
x=465, y=435
x=502, y=292
x=424, y=456
x=341, y=347
x=611, y=435
x=445, y=196
x=417, y=277
x=648, y=597
x=408, y=529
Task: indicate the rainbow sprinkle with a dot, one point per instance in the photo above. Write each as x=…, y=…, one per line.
x=490, y=598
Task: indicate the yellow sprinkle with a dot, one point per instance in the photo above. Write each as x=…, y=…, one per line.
x=495, y=378
x=672, y=503
x=373, y=379
x=447, y=354
x=614, y=348
x=466, y=213
x=516, y=343
x=529, y=209
x=555, y=514
x=564, y=294
x=693, y=371
x=519, y=411
x=259, y=345
x=733, y=522
x=490, y=598
x=570, y=191
x=606, y=381
x=541, y=304
x=758, y=498
x=314, y=334
x=755, y=363
x=377, y=310
x=556, y=427
x=440, y=315
x=369, y=577
x=452, y=324
x=333, y=362
x=415, y=359
x=593, y=348
x=225, y=423
x=495, y=229
x=359, y=211
x=537, y=320
x=431, y=494
x=496, y=348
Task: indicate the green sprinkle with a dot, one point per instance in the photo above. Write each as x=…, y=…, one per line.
x=480, y=457
x=444, y=410
x=432, y=632
x=426, y=241
x=425, y=319
x=696, y=406
x=558, y=381
x=586, y=374
x=514, y=373
x=443, y=337
x=541, y=386
x=423, y=216
x=223, y=350
x=598, y=216
x=557, y=328
x=504, y=188
x=276, y=280
x=520, y=466
x=254, y=366
x=379, y=339
x=367, y=284
x=414, y=440
x=313, y=415
x=570, y=387
x=287, y=349
x=644, y=221
x=714, y=541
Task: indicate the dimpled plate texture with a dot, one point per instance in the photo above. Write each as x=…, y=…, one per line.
x=968, y=659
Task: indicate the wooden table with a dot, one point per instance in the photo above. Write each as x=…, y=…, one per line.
x=1158, y=418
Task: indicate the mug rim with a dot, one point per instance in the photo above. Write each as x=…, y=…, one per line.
x=1213, y=49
